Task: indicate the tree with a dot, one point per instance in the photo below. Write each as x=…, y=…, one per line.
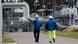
x=31, y=5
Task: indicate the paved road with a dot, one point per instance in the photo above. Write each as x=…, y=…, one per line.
x=27, y=38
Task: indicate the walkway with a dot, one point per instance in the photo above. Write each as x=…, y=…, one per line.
x=27, y=38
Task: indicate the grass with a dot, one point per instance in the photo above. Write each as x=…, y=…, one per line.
x=68, y=34
x=7, y=39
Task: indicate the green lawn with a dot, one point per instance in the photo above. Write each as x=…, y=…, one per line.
x=7, y=39
x=68, y=34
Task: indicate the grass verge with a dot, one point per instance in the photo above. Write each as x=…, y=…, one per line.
x=7, y=39
x=68, y=34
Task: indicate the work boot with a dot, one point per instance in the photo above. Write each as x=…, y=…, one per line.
x=54, y=40
x=50, y=42
x=36, y=41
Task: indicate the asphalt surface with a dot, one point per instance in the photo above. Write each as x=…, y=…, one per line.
x=27, y=38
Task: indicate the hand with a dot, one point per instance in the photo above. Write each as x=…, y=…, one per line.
x=64, y=26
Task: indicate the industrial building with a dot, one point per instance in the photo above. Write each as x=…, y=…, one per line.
x=12, y=11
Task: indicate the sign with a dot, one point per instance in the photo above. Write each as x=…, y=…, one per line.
x=19, y=10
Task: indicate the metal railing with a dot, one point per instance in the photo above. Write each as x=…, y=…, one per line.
x=15, y=26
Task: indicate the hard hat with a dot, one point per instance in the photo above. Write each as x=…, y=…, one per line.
x=50, y=17
x=37, y=16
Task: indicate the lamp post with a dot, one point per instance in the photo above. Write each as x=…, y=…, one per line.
x=43, y=6
x=0, y=22
x=35, y=4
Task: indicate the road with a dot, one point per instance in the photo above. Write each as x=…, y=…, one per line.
x=27, y=38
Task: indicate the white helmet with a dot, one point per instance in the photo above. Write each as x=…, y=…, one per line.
x=37, y=16
x=50, y=17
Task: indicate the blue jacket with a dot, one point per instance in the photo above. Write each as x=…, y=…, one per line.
x=51, y=25
x=37, y=24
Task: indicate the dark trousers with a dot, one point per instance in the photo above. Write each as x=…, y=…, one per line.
x=36, y=34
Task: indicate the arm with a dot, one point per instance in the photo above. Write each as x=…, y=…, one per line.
x=62, y=26
x=30, y=20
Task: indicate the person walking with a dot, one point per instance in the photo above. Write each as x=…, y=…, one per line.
x=51, y=26
x=37, y=25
